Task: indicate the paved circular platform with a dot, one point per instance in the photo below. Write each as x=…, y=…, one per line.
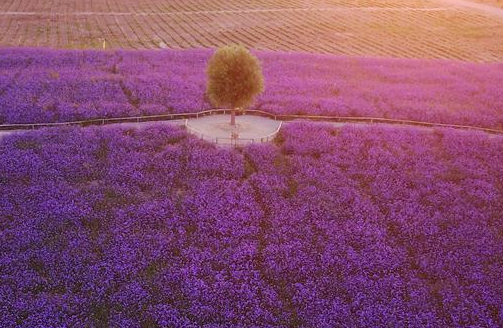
x=248, y=129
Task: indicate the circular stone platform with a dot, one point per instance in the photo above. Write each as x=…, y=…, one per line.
x=249, y=128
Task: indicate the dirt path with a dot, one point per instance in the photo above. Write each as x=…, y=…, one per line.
x=203, y=125
x=198, y=12
x=126, y=125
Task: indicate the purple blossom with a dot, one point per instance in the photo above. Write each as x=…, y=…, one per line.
x=57, y=85
x=327, y=227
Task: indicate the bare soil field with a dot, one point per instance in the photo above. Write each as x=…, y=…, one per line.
x=496, y=3
x=387, y=28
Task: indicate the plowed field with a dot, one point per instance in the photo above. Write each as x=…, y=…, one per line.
x=389, y=28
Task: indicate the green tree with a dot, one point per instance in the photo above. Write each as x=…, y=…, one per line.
x=234, y=78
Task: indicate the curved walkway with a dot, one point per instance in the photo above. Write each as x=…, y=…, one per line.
x=180, y=119
x=249, y=129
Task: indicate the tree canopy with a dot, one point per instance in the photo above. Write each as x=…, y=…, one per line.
x=234, y=77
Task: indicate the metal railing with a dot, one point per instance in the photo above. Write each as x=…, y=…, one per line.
x=235, y=142
x=282, y=117
x=114, y=120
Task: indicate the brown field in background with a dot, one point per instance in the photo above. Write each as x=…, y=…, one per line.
x=497, y=3
x=388, y=28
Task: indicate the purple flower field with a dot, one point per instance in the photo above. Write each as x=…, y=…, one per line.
x=327, y=227
x=38, y=85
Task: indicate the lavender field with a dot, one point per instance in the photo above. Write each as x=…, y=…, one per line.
x=326, y=227
x=38, y=85
x=363, y=188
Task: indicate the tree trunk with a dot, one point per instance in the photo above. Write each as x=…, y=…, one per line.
x=233, y=116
